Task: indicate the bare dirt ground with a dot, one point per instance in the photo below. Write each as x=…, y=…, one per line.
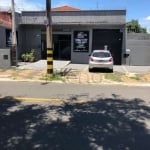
x=75, y=76
x=99, y=77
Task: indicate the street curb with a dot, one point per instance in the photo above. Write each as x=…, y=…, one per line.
x=62, y=82
x=48, y=100
x=53, y=101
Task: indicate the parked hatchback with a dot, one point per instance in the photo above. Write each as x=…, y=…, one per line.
x=101, y=59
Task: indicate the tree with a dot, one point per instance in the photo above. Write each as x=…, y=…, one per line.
x=134, y=26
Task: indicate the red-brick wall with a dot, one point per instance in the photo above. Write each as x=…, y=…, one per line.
x=5, y=19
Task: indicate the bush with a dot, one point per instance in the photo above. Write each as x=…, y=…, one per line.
x=28, y=57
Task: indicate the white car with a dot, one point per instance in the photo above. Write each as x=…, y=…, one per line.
x=101, y=59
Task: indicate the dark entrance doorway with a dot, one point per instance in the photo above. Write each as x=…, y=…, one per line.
x=43, y=45
x=112, y=38
x=61, y=46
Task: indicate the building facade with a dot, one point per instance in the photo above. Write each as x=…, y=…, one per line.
x=75, y=33
x=138, y=47
x=5, y=29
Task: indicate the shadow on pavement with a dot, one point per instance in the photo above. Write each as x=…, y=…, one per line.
x=101, y=124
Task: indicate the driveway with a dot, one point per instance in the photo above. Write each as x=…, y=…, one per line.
x=42, y=65
x=117, y=68
x=61, y=65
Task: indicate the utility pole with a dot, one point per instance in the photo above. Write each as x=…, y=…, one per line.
x=14, y=59
x=49, y=38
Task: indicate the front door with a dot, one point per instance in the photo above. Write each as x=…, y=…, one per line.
x=62, y=47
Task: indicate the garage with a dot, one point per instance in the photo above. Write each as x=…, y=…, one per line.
x=112, y=38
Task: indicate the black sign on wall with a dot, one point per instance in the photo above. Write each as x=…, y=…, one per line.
x=81, y=41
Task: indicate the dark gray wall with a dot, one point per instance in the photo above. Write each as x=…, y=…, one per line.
x=2, y=37
x=139, y=44
x=30, y=38
x=76, y=17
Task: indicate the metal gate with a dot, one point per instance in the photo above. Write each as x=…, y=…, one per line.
x=112, y=38
x=62, y=47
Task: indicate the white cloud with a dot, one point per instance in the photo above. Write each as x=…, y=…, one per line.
x=147, y=18
x=31, y=5
x=22, y=5
x=145, y=22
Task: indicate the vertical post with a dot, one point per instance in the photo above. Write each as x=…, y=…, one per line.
x=14, y=40
x=49, y=38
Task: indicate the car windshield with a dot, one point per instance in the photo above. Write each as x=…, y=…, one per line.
x=101, y=54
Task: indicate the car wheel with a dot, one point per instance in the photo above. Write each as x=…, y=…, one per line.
x=111, y=70
x=90, y=70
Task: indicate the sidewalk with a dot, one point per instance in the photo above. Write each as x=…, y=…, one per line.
x=30, y=71
x=77, y=73
x=42, y=65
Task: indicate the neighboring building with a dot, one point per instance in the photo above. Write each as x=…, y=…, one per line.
x=5, y=29
x=5, y=39
x=138, y=45
x=75, y=33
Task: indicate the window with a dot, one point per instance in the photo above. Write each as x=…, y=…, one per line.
x=101, y=54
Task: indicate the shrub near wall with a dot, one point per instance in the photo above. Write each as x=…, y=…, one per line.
x=29, y=57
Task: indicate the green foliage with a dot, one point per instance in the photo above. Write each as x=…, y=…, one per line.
x=116, y=76
x=29, y=57
x=136, y=77
x=134, y=26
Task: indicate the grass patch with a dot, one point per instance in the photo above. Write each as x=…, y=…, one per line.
x=116, y=76
x=136, y=77
x=3, y=70
x=52, y=77
x=15, y=75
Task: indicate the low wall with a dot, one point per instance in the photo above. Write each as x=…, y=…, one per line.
x=139, y=45
x=5, y=58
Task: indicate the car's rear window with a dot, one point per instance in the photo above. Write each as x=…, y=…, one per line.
x=101, y=54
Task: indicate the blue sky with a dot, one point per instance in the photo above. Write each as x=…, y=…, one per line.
x=136, y=9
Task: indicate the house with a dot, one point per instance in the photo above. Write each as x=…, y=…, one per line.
x=5, y=29
x=75, y=33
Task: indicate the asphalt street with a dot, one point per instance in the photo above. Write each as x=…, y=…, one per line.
x=63, y=90
x=91, y=117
